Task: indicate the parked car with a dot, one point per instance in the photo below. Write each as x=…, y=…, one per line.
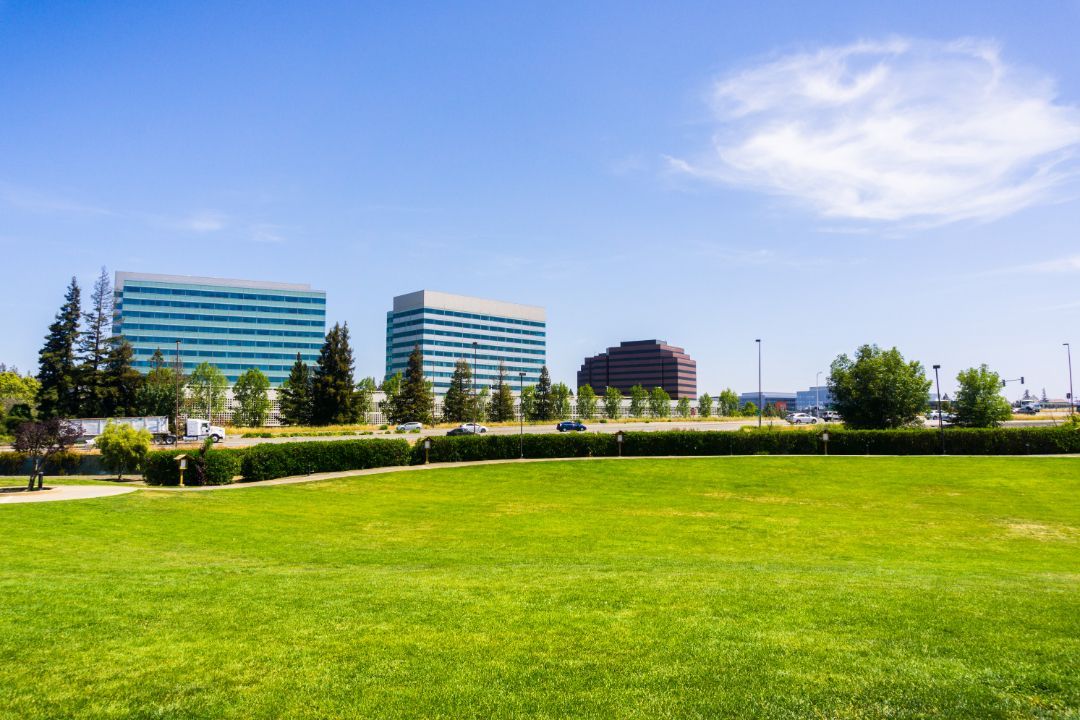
x=947, y=418
x=831, y=416
x=460, y=431
x=474, y=427
x=410, y=427
x=801, y=419
x=1027, y=410
x=570, y=426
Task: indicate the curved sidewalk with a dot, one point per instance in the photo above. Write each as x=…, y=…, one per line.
x=64, y=492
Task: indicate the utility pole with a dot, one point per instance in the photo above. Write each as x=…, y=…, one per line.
x=1072, y=398
x=475, y=402
x=179, y=369
x=940, y=410
x=521, y=413
x=759, y=395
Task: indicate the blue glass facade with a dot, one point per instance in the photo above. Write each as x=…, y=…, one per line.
x=233, y=324
x=446, y=326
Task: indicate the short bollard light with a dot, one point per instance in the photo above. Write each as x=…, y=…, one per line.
x=427, y=449
x=825, y=439
x=619, y=441
x=181, y=461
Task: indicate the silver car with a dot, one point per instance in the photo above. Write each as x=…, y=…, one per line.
x=410, y=427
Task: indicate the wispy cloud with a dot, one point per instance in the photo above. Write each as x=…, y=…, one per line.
x=267, y=233
x=47, y=203
x=1056, y=266
x=205, y=221
x=896, y=130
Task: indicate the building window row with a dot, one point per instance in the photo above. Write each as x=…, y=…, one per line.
x=463, y=349
x=471, y=316
x=167, y=342
x=471, y=326
x=224, y=366
x=473, y=336
x=223, y=318
x=238, y=355
x=402, y=357
x=130, y=288
x=127, y=302
x=189, y=330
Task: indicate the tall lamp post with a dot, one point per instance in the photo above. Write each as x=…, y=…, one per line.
x=1072, y=398
x=521, y=414
x=817, y=391
x=759, y=396
x=475, y=404
x=179, y=369
x=940, y=417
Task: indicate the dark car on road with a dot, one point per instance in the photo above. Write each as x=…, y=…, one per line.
x=461, y=431
x=570, y=426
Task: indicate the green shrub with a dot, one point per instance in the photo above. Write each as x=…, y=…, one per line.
x=65, y=462
x=216, y=467
x=11, y=463
x=274, y=460
x=465, y=448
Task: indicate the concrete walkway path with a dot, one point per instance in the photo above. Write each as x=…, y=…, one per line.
x=64, y=492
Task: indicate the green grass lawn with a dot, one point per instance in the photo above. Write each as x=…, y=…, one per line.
x=760, y=586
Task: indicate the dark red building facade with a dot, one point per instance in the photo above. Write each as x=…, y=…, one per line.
x=649, y=363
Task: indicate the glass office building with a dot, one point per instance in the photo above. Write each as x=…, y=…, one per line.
x=233, y=324
x=446, y=327
x=816, y=397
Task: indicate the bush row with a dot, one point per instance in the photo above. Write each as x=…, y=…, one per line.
x=215, y=467
x=67, y=462
x=274, y=460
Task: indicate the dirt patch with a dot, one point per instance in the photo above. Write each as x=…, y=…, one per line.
x=1042, y=531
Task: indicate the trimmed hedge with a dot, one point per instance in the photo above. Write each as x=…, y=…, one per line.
x=274, y=460
x=11, y=463
x=466, y=448
x=219, y=467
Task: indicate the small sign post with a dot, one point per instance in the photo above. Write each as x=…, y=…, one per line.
x=427, y=449
x=181, y=461
x=825, y=439
x=619, y=441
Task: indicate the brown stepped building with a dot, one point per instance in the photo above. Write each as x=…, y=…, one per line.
x=649, y=363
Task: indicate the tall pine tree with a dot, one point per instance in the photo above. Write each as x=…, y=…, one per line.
x=120, y=382
x=501, y=408
x=412, y=403
x=332, y=389
x=544, y=408
x=456, y=400
x=94, y=345
x=295, y=395
x=157, y=392
x=58, y=395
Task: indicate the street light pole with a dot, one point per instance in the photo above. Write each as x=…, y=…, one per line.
x=1072, y=398
x=940, y=417
x=177, y=372
x=521, y=414
x=817, y=391
x=475, y=404
x=758, y=341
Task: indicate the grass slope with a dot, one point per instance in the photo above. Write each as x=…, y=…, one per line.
x=773, y=587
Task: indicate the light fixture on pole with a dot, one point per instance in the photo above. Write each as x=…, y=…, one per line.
x=940, y=417
x=177, y=372
x=476, y=404
x=1072, y=399
x=759, y=396
x=817, y=391
x=521, y=414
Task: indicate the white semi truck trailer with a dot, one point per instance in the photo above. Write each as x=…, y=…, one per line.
x=158, y=428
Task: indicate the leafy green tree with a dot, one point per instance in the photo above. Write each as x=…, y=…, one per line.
x=878, y=389
x=120, y=382
x=18, y=414
x=750, y=409
x=659, y=402
x=978, y=401
x=705, y=405
x=639, y=396
x=58, y=374
x=16, y=389
x=502, y=399
x=682, y=408
x=772, y=410
x=478, y=405
x=456, y=401
x=365, y=396
x=333, y=390
x=560, y=401
x=727, y=404
x=42, y=440
x=123, y=448
x=206, y=391
x=612, y=402
x=251, y=393
x=544, y=410
x=391, y=386
x=94, y=347
x=586, y=402
x=157, y=391
x=412, y=403
x=294, y=396
x=527, y=404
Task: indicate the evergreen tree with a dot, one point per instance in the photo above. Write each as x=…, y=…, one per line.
x=58, y=394
x=544, y=409
x=705, y=405
x=120, y=382
x=456, y=400
x=413, y=401
x=612, y=402
x=332, y=389
x=586, y=402
x=560, y=401
x=638, y=397
x=251, y=394
x=157, y=392
x=94, y=345
x=502, y=399
x=295, y=395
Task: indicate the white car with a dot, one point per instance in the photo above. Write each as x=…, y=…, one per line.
x=473, y=427
x=410, y=427
x=802, y=419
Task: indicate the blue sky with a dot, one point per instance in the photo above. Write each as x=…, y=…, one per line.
x=820, y=177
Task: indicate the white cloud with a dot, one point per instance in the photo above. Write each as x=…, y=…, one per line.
x=896, y=130
x=204, y=222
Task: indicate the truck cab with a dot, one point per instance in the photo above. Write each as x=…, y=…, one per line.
x=202, y=429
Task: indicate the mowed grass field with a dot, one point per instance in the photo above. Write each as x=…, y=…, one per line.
x=760, y=586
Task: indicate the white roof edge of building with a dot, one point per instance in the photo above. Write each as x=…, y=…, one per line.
x=467, y=303
x=122, y=276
